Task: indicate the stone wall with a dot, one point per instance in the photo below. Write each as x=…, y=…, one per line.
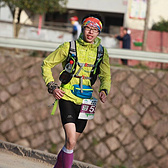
x=129, y=129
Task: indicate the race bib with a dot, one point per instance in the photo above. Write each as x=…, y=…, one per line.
x=88, y=109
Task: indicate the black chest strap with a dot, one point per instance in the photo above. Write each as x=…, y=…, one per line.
x=96, y=69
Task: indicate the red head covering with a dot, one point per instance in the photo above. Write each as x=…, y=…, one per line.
x=74, y=18
x=92, y=21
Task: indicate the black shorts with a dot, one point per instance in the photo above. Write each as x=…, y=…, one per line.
x=69, y=114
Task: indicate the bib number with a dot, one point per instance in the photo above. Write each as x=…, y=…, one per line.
x=87, y=110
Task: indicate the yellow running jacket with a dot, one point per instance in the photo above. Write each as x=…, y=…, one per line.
x=86, y=53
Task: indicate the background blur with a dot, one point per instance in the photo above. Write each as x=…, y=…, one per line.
x=130, y=130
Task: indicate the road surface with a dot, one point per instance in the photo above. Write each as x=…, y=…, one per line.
x=10, y=160
x=16, y=156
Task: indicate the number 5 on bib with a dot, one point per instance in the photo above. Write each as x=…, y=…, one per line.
x=88, y=109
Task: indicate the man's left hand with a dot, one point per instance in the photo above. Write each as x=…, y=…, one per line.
x=102, y=96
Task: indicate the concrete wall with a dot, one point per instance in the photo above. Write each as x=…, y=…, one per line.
x=112, y=6
x=156, y=42
x=158, y=9
x=5, y=14
x=57, y=35
x=130, y=128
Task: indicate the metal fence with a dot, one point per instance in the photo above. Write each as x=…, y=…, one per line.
x=113, y=53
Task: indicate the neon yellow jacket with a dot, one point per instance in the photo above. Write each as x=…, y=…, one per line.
x=86, y=53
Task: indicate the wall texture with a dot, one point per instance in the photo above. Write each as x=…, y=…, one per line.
x=129, y=129
x=49, y=35
x=156, y=42
x=157, y=12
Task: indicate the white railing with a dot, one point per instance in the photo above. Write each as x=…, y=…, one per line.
x=113, y=53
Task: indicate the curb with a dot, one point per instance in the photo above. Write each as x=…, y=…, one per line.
x=37, y=154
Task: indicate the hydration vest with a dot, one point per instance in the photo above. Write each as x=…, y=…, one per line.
x=72, y=61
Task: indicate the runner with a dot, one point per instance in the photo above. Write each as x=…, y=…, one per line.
x=76, y=27
x=82, y=61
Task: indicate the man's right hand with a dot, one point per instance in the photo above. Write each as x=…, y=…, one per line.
x=58, y=93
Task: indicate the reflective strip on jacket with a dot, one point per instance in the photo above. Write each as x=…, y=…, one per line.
x=86, y=53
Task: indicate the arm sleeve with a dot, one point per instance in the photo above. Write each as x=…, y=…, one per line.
x=119, y=38
x=105, y=73
x=56, y=57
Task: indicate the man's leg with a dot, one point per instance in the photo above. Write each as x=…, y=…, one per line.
x=59, y=160
x=124, y=61
x=65, y=157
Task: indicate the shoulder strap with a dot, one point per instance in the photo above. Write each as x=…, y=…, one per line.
x=72, y=55
x=72, y=48
x=96, y=68
x=70, y=66
x=100, y=52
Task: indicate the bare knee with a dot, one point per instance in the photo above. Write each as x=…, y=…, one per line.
x=70, y=143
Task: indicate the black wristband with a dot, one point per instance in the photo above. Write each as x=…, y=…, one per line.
x=51, y=87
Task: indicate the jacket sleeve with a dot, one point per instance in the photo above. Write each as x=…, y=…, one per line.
x=56, y=57
x=119, y=38
x=105, y=73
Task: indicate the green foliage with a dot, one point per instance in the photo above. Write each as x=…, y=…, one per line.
x=34, y=54
x=100, y=163
x=121, y=166
x=53, y=148
x=37, y=6
x=95, y=141
x=162, y=25
x=141, y=66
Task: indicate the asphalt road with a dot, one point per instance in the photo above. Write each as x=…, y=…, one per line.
x=16, y=156
x=10, y=160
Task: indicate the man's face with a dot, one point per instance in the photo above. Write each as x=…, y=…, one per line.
x=90, y=34
x=73, y=22
x=124, y=31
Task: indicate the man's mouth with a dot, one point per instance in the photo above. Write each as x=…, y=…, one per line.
x=89, y=37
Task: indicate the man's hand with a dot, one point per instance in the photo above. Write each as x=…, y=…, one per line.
x=113, y=35
x=102, y=96
x=58, y=93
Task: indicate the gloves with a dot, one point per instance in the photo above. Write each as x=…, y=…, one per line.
x=52, y=86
